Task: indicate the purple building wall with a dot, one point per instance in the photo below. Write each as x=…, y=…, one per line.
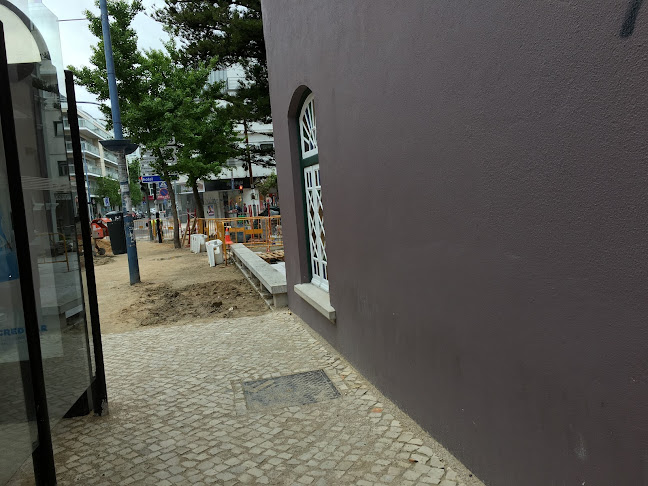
x=485, y=185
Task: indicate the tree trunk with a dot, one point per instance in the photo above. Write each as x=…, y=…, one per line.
x=248, y=158
x=174, y=210
x=200, y=211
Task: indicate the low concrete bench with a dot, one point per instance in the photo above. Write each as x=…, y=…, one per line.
x=268, y=281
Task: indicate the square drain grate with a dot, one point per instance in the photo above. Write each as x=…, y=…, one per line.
x=288, y=391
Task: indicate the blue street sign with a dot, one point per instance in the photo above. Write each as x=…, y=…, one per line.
x=149, y=179
x=162, y=185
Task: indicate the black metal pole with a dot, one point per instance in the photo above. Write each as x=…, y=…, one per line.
x=43, y=456
x=99, y=391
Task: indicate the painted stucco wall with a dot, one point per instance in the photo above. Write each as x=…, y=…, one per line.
x=485, y=179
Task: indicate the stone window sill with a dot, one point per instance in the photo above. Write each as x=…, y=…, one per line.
x=318, y=298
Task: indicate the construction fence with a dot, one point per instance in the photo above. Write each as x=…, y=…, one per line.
x=260, y=233
x=141, y=228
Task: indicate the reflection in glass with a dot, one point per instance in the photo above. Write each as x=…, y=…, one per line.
x=17, y=426
x=50, y=212
x=52, y=221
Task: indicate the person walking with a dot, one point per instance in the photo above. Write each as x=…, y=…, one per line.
x=158, y=227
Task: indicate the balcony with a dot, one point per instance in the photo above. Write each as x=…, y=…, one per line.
x=110, y=157
x=92, y=171
x=85, y=147
x=88, y=128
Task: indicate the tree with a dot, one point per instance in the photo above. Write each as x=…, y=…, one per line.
x=232, y=32
x=166, y=108
x=180, y=121
x=109, y=188
x=206, y=138
x=140, y=83
x=152, y=122
x=267, y=184
x=128, y=58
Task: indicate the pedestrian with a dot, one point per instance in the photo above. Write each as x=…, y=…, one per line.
x=158, y=227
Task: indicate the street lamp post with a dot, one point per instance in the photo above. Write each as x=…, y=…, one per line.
x=121, y=147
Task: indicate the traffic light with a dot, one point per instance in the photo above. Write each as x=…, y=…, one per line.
x=241, y=189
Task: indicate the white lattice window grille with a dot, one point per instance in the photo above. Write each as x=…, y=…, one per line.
x=316, y=233
x=308, y=128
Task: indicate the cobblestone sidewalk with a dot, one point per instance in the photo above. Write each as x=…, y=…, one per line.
x=178, y=415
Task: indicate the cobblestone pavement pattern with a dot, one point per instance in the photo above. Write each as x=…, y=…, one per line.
x=178, y=415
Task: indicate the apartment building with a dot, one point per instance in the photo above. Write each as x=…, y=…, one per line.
x=97, y=161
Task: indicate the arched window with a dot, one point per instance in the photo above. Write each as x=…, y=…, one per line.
x=312, y=186
x=308, y=128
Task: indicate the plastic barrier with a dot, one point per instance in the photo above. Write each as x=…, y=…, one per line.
x=214, y=252
x=197, y=243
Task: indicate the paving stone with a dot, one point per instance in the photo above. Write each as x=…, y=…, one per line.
x=411, y=475
x=199, y=430
x=419, y=458
x=426, y=451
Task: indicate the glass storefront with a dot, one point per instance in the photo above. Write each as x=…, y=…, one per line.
x=18, y=436
x=53, y=228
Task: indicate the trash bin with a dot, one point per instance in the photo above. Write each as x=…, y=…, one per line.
x=117, y=236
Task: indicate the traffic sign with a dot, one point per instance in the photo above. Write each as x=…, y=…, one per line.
x=149, y=179
x=106, y=201
x=164, y=193
x=162, y=185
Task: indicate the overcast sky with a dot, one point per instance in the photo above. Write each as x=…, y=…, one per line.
x=76, y=39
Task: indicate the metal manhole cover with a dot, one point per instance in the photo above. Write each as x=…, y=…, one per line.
x=288, y=391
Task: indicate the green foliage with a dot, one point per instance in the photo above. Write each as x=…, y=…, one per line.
x=180, y=120
x=177, y=117
x=133, y=182
x=127, y=57
x=267, y=184
x=231, y=31
x=109, y=188
x=166, y=108
x=206, y=139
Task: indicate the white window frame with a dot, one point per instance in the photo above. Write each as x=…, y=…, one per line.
x=316, y=233
x=313, y=195
x=308, y=128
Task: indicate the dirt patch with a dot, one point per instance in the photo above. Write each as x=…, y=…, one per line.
x=177, y=287
x=197, y=301
x=105, y=244
x=103, y=259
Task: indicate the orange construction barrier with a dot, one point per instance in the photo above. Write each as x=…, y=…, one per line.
x=228, y=238
x=228, y=241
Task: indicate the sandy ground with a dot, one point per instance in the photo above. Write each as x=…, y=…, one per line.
x=177, y=287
